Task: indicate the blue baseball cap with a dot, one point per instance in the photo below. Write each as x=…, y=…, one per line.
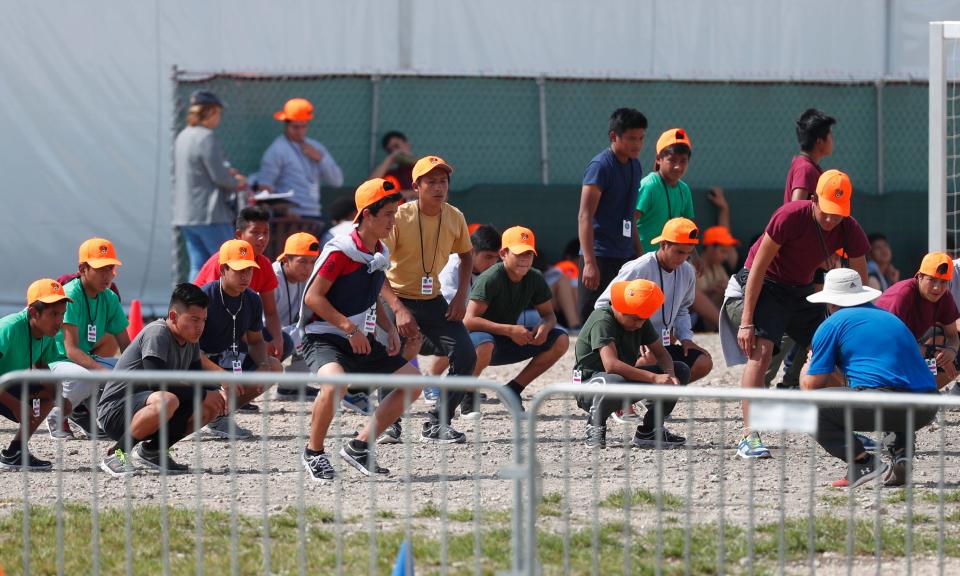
x=205, y=97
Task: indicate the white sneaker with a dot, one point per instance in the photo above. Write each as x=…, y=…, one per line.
x=628, y=417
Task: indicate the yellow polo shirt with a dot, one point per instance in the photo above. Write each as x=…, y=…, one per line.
x=421, y=245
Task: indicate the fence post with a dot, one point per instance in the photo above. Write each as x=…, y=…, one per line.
x=879, y=85
x=544, y=150
x=374, y=118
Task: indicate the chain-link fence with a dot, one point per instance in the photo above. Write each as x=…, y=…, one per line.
x=536, y=131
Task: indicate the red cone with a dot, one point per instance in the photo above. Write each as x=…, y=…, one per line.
x=136, y=319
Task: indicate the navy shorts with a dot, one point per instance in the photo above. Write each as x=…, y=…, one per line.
x=506, y=351
x=321, y=349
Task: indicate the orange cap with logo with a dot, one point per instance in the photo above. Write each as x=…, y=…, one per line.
x=238, y=254
x=518, y=240
x=718, y=235
x=98, y=252
x=295, y=110
x=300, y=244
x=679, y=231
x=637, y=297
x=428, y=163
x=833, y=192
x=937, y=264
x=46, y=290
x=671, y=137
x=371, y=192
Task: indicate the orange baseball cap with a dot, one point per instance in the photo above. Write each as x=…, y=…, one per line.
x=937, y=264
x=833, y=192
x=638, y=297
x=238, y=254
x=471, y=228
x=372, y=191
x=46, y=290
x=300, y=244
x=679, y=231
x=671, y=137
x=428, y=163
x=98, y=252
x=295, y=110
x=719, y=235
x=518, y=240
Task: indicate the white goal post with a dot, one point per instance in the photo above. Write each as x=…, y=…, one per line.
x=942, y=211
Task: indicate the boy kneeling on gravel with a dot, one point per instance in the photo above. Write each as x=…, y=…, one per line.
x=607, y=352
x=339, y=315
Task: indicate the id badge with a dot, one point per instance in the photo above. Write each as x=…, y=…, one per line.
x=370, y=321
x=36, y=407
x=665, y=337
x=932, y=365
x=315, y=189
x=92, y=333
x=577, y=376
x=237, y=366
x=426, y=285
x=627, y=228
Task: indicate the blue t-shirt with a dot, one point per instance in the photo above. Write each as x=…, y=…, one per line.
x=873, y=348
x=218, y=333
x=618, y=184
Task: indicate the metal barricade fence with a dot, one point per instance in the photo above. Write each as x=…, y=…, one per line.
x=698, y=509
x=247, y=506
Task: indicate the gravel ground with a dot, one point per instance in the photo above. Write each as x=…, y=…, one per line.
x=710, y=483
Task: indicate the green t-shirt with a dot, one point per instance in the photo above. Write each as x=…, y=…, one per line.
x=600, y=329
x=659, y=203
x=18, y=349
x=104, y=312
x=505, y=299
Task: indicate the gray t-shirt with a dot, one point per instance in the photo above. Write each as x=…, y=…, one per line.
x=155, y=340
x=203, y=187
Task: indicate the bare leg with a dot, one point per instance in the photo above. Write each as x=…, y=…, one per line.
x=484, y=355
x=753, y=373
x=390, y=408
x=323, y=407
x=146, y=421
x=565, y=300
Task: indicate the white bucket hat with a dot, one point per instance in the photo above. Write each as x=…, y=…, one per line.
x=843, y=287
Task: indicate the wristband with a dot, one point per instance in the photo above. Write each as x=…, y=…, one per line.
x=354, y=333
x=746, y=326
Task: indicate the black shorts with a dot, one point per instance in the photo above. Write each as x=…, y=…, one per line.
x=16, y=390
x=321, y=349
x=781, y=309
x=112, y=415
x=676, y=352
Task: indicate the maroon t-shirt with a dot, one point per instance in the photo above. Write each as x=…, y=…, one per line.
x=792, y=227
x=904, y=301
x=804, y=173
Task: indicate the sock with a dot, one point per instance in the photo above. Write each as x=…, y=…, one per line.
x=152, y=444
x=515, y=386
x=14, y=446
x=310, y=452
x=358, y=445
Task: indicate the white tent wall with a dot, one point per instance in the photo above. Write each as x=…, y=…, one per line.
x=85, y=92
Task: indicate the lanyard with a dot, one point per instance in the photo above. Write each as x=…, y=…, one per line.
x=304, y=161
x=91, y=316
x=233, y=317
x=30, y=343
x=286, y=286
x=666, y=194
x=823, y=243
x=673, y=298
x=436, y=246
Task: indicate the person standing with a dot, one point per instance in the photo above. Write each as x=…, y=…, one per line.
x=608, y=238
x=204, y=184
x=296, y=163
x=815, y=136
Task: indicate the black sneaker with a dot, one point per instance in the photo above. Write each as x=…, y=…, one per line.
x=249, y=408
x=865, y=470
x=439, y=434
x=897, y=474
x=392, y=435
x=596, y=436
x=318, y=466
x=151, y=460
x=80, y=422
x=649, y=439
x=292, y=394
x=15, y=461
x=362, y=460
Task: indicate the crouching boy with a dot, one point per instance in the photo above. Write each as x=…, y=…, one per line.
x=607, y=352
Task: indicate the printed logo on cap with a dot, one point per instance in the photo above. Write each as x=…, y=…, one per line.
x=524, y=236
x=434, y=160
x=630, y=292
x=839, y=193
x=942, y=268
x=314, y=246
x=243, y=251
x=103, y=250
x=693, y=234
x=55, y=286
x=680, y=135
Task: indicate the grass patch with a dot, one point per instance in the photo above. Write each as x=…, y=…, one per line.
x=639, y=497
x=428, y=510
x=934, y=496
x=896, y=497
x=492, y=516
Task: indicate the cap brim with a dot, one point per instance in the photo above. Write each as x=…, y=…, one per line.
x=835, y=208
x=53, y=298
x=242, y=264
x=280, y=116
x=522, y=248
x=660, y=239
x=866, y=294
x=101, y=262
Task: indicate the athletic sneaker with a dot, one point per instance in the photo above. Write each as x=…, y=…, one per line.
x=649, y=439
x=363, y=460
x=863, y=471
x=431, y=395
x=628, y=417
x=596, y=436
x=897, y=474
x=151, y=459
x=392, y=435
x=318, y=466
x=438, y=434
x=220, y=427
x=58, y=430
x=751, y=446
x=80, y=423
x=358, y=403
x=292, y=394
x=14, y=460
x=469, y=410
x=249, y=408
x=869, y=444
x=118, y=465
